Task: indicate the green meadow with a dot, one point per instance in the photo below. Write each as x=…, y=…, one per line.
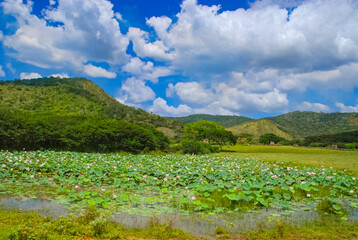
x=338, y=159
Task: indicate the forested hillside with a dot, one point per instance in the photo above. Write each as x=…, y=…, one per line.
x=304, y=124
x=258, y=128
x=75, y=114
x=346, y=137
x=73, y=97
x=224, y=120
x=297, y=125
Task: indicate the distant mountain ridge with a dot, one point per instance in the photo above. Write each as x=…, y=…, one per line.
x=292, y=125
x=224, y=120
x=304, y=124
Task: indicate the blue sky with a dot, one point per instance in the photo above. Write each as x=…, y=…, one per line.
x=175, y=58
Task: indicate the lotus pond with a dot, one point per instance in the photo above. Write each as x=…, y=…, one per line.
x=179, y=184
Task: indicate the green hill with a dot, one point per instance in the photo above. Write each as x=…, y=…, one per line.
x=304, y=124
x=75, y=114
x=258, y=128
x=73, y=97
x=345, y=137
x=224, y=120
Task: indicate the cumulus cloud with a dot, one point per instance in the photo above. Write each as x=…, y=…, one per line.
x=344, y=108
x=134, y=91
x=94, y=71
x=263, y=36
x=60, y=75
x=191, y=92
x=234, y=96
x=139, y=69
x=31, y=75
x=314, y=107
x=144, y=48
x=2, y=73
x=160, y=106
x=84, y=31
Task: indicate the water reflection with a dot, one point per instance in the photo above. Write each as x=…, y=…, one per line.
x=196, y=224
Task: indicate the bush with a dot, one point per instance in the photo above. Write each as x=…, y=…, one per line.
x=352, y=146
x=195, y=147
x=285, y=142
x=267, y=138
x=318, y=144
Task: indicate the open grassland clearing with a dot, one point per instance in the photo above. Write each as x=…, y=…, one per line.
x=342, y=160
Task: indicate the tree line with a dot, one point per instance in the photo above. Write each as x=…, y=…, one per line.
x=33, y=131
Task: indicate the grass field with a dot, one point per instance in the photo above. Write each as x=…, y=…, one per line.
x=342, y=160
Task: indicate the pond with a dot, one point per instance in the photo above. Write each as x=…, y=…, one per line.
x=200, y=225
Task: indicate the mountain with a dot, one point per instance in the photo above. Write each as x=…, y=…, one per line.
x=304, y=124
x=73, y=97
x=224, y=120
x=345, y=137
x=258, y=128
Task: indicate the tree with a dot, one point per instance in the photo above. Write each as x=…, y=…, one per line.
x=212, y=131
x=270, y=137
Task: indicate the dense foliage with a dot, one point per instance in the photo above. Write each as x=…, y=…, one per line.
x=21, y=129
x=196, y=147
x=268, y=138
x=223, y=120
x=304, y=124
x=210, y=131
x=73, y=96
x=341, y=139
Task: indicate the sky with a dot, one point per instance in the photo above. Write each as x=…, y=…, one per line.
x=176, y=58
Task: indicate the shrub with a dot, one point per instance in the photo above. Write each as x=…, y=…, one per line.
x=318, y=144
x=195, y=147
x=352, y=146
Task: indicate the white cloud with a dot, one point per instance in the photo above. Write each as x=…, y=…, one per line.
x=135, y=91
x=314, y=107
x=160, y=106
x=9, y=66
x=264, y=36
x=245, y=102
x=2, y=73
x=236, y=95
x=146, y=71
x=29, y=75
x=144, y=48
x=343, y=77
x=94, y=71
x=299, y=82
x=191, y=92
x=60, y=75
x=118, y=16
x=344, y=108
x=52, y=2
x=1, y=35
x=85, y=31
